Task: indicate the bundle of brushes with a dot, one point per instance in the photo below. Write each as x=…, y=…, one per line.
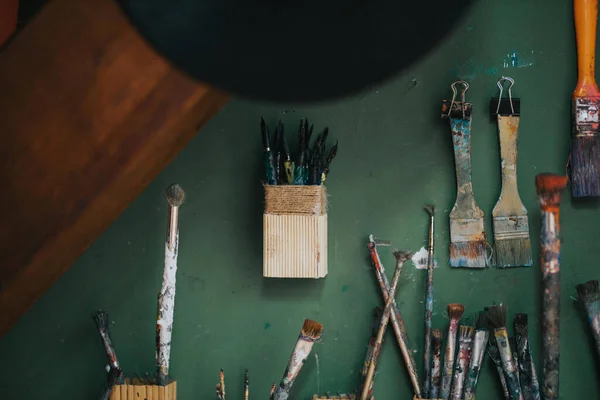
x=589, y=295
x=311, y=165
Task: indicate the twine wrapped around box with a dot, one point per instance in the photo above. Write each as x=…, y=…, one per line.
x=134, y=389
x=295, y=231
x=339, y=397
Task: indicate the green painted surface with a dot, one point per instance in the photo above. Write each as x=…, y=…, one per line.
x=395, y=155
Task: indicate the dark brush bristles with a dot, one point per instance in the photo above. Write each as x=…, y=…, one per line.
x=430, y=209
x=175, y=195
x=588, y=292
x=312, y=330
x=521, y=325
x=101, y=319
x=584, y=168
x=482, y=321
x=549, y=188
x=497, y=316
x=514, y=252
x=466, y=331
x=471, y=254
x=455, y=311
x=494, y=352
x=436, y=335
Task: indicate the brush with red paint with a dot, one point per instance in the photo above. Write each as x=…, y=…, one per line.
x=455, y=313
x=584, y=159
x=549, y=188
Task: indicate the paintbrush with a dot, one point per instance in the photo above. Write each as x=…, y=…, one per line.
x=494, y=354
x=480, y=342
x=269, y=158
x=222, y=383
x=219, y=394
x=584, y=159
x=465, y=342
x=549, y=188
x=436, y=344
x=101, y=319
x=277, y=156
x=272, y=392
x=330, y=157
x=115, y=376
x=311, y=332
x=428, y=304
x=527, y=376
x=467, y=231
x=396, y=316
x=166, y=298
x=497, y=318
x=246, y=386
x=589, y=295
x=300, y=168
x=513, y=347
x=401, y=258
x=288, y=164
x=455, y=313
x=377, y=313
x=512, y=246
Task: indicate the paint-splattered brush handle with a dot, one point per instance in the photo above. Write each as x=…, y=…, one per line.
x=477, y=355
x=427, y=353
x=508, y=364
x=550, y=243
x=166, y=308
x=102, y=323
x=299, y=355
x=586, y=20
x=115, y=377
x=449, y=360
x=397, y=320
x=436, y=364
x=462, y=366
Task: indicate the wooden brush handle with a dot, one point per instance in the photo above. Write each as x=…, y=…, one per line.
x=465, y=205
x=510, y=202
x=586, y=18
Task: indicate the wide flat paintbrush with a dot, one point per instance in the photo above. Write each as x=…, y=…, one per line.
x=467, y=231
x=584, y=159
x=589, y=295
x=512, y=246
x=549, y=188
x=310, y=333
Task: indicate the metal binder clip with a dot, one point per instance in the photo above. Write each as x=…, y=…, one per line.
x=505, y=106
x=457, y=108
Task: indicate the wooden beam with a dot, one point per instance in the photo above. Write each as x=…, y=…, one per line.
x=89, y=115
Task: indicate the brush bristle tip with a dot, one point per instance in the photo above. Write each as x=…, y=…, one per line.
x=312, y=329
x=175, y=195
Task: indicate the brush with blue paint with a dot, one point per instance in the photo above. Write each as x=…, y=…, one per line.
x=584, y=159
x=549, y=188
x=467, y=231
x=301, y=166
x=512, y=246
x=480, y=342
x=589, y=295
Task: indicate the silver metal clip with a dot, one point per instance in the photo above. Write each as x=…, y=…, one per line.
x=463, y=92
x=501, y=86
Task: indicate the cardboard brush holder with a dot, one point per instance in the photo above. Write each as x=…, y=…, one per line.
x=295, y=231
x=134, y=389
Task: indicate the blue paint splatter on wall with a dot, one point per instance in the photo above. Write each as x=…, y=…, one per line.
x=267, y=325
x=345, y=288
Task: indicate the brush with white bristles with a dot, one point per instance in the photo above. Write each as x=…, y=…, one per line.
x=166, y=298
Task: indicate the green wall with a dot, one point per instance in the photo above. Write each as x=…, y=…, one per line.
x=395, y=155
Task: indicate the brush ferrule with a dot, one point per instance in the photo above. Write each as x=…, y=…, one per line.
x=515, y=227
x=585, y=115
x=467, y=230
x=173, y=227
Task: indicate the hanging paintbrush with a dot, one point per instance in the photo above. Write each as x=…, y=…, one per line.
x=115, y=376
x=310, y=333
x=288, y=164
x=401, y=258
x=512, y=246
x=377, y=313
x=589, y=295
x=467, y=232
x=166, y=298
x=102, y=323
x=497, y=318
x=527, y=376
x=436, y=344
x=584, y=159
x=465, y=342
x=269, y=157
x=549, y=189
x=395, y=316
x=480, y=342
x=494, y=354
x=455, y=313
x=330, y=157
x=428, y=304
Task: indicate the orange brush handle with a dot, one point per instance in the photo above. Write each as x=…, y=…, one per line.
x=586, y=18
